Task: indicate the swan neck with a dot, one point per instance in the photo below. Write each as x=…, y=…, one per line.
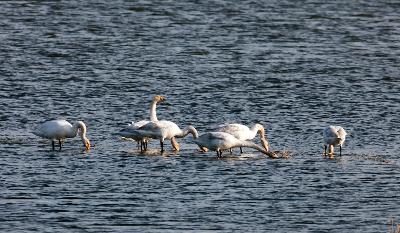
x=153, y=115
x=189, y=130
x=82, y=129
x=194, y=133
x=258, y=129
x=82, y=133
x=254, y=146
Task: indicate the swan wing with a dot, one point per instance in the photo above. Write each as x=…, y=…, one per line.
x=137, y=125
x=54, y=129
x=216, y=140
x=165, y=129
x=238, y=130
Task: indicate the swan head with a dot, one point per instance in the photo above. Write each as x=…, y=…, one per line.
x=195, y=134
x=159, y=98
x=341, y=135
x=86, y=143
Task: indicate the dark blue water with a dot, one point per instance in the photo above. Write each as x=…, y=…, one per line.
x=294, y=67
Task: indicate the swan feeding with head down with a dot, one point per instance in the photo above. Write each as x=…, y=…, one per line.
x=62, y=129
x=219, y=141
x=333, y=136
x=243, y=132
x=128, y=132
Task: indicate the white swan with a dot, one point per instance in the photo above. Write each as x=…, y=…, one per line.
x=219, y=141
x=243, y=132
x=127, y=131
x=61, y=129
x=165, y=130
x=333, y=136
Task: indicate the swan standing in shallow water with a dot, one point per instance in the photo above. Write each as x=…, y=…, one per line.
x=128, y=132
x=165, y=130
x=333, y=136
x=243, y=132
x=219, y=141
x=61, y=129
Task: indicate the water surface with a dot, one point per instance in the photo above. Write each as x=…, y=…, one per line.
x=294, y=67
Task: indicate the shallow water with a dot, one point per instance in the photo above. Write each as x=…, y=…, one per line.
x=295, y=67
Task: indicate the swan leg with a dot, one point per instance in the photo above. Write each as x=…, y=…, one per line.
x=241, y=150
x=145, y=145
x=325, y=149
x=52, y=143
x=59, y=143
x=139, y=144
x=162, y=146
x=340, y=150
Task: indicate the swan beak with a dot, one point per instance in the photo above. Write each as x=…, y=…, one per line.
x=87, y=144
x=203, y=149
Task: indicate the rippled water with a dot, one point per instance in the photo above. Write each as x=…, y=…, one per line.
x=293, y=66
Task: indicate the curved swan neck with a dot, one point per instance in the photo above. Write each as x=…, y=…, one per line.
x=257, y=128
x=82, y=132
x=189, y=129
x=193, y=131
x=82, y=127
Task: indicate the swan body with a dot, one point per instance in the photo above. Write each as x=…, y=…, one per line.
x=219, y=141
x=129, y=131
x=62, y=129
x=333, y=136
x=243, y=132
x=165, y=130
